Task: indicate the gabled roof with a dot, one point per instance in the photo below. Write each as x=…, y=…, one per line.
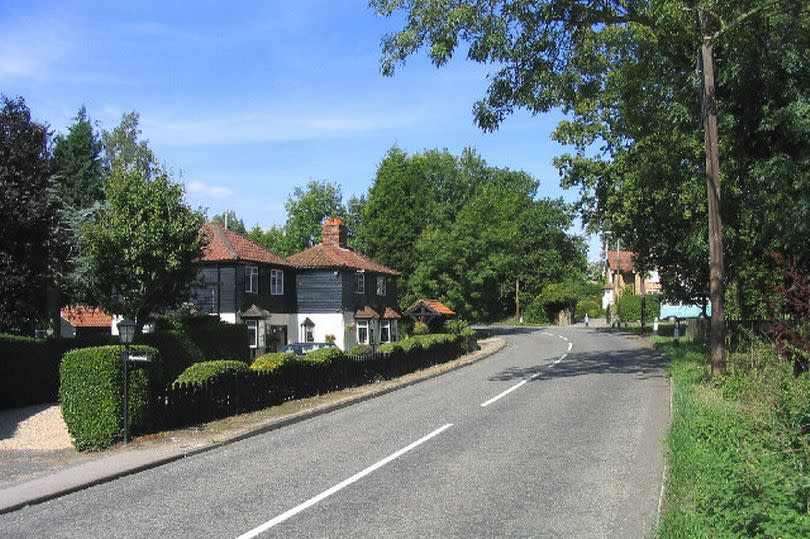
x=82, y=316
x=366, y=313
x=332, y=256
x=433, y=305
x=624, y=258
x=226, y=245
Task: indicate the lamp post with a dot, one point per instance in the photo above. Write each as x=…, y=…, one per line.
x=126, y=331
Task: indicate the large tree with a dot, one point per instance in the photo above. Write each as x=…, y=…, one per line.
x=623, y=72
x=306, y=209
x=229, y=219
x=25, y=170
x=142, y=248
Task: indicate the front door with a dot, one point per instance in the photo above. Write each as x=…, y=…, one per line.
x=277, y=338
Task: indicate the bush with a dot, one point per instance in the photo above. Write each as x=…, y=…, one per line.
x=420, y=328
x=456, y=326
x=206, y=370
x=91, y=394
x=628, y=306
x=359, y=350
x=591, y=306
x=271, y=362
x=177, y=350
x=323, y=355
x=389, y=348
x=215, y=339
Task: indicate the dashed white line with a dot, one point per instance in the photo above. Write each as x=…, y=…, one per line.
x=570, y=345
x=505, y=393
x=340, y=486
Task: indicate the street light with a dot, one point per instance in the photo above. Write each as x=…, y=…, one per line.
x=126, y=331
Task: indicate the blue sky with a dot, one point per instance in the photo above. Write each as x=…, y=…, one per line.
x=247, y=100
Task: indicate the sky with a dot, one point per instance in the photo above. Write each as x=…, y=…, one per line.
x=247, y=100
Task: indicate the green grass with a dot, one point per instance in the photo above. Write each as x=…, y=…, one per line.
x=737, y=447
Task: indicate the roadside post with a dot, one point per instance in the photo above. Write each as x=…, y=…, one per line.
x=126, y=330
x=586, y=319
x=676, y=332
x=655, y=325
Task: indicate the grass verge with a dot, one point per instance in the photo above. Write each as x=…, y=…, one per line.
x=738, y=447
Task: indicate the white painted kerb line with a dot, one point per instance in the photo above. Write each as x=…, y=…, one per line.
x=340, y=486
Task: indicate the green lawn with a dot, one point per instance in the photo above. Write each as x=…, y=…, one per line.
x=738, y=448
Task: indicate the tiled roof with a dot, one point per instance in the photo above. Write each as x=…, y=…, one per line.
x=226, y=245
x=366, y=312
x=391, y=314
x=434, y=305
x=332, y=256
x=625, y=259
x=82, y=316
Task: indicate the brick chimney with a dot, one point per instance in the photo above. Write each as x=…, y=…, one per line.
x=333, y=232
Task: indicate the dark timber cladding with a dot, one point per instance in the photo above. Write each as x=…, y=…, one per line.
x=319, y=291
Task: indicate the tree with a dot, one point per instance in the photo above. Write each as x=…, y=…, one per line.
x=25, y=170
x=229, y=220
x=272, y=239
x=623, y=72
x=306, y=210
x=142, y=249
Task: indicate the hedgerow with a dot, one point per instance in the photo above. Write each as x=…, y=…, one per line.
x=272, y=361
x=206, y=370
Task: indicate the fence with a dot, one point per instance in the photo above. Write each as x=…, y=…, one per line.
x=187, y=404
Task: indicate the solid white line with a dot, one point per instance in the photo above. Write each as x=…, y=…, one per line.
x=560, y=359
x=340, y=486
x=505, y=393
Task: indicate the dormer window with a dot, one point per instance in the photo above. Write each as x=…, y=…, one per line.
x=359, y=283
x=252, y=279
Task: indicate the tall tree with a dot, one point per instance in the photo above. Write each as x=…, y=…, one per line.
x=273, y=238
x=306, y=209
x=229, y=219
x=125, y=151
x=25, y=170
x=624, y=73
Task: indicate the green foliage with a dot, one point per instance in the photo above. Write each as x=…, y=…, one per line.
x=360, y=350
x=234, y=223
x=738, y=447
x=628, y=306
x=206, y=370
x=591, y=305
x=271, y=362
x=389, y=348
x=455, y=326
x=323, y=355
x=271, y=239
x=554, y=298
x=420, y=328
x=143, y=247
x=306, y=210
x=25, y=171
x=177, y=350
x=91, y=395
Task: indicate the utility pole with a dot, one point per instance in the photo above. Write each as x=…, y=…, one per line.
x=710, y=136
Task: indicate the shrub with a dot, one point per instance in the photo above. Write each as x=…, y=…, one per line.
x=389, y=348
x=214, y=338
x=628, y=306
x=359, y=350
x=177, y=351
x=91, y=394
x=420, y=328
x=206, y=370
x=323, y=355
x=455, y=326
x=271, y=362
x=591, y=306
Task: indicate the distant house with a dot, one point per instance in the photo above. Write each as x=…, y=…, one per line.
x=620, y=273
x=82, y=321
x=342, y=294
x=429, y=311
x=241, y=282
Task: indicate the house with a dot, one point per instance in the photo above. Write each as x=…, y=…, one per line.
x=82, y=321
x=241, y=282
x=431, y=312
x=343, y=296
x=620, y=273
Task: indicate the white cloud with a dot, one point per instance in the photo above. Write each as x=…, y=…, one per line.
x=210, y=191
x=30, y=48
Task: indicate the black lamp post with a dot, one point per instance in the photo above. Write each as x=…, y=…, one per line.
x=126, y=331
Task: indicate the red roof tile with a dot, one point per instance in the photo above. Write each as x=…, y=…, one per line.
x=434, y=305
x=366, y=312
x=391, y=314
x=625, y=259
x=332, y=256
x=227, y=245
x=82, y=316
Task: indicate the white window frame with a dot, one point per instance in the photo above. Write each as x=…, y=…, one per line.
x=250, y=272
x=385, y=325
x=359, y=282
x=253, y=329
x=276, y=282
x=382, y=286
x=307, y=333
x=364, y=325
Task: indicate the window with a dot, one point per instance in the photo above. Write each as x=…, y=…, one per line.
x=385, y=331
x=277, y=282
x=381, y=286
x=308, y=331
x=362, y=332
x=253, y=332
x=252, y=279
x=359, y=282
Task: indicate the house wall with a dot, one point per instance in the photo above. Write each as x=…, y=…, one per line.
x=325, y=324
x=353, y=301
x=264, y=299
x=319, y=291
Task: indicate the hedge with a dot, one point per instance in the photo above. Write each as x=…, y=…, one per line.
x=216, y=339
x=206, y=370
x=176, y=348
x=323, y=355
x=91, y=394
x=272, y=361
x=29, y=368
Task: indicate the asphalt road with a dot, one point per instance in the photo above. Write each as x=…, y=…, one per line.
x=560, y=448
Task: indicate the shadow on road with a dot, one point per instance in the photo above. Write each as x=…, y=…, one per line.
x=509, y=330
x=644, y=364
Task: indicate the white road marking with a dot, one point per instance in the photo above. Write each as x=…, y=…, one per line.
x=505, y=393
x=340, y=486
x=570, y=345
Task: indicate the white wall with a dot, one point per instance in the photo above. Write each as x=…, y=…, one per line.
x=325, y=324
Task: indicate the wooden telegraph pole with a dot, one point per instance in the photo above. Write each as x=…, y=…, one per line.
x=710, y=136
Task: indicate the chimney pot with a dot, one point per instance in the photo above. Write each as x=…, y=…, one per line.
x=333, y=232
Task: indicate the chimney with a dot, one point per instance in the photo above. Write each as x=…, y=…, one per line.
x=333, y=232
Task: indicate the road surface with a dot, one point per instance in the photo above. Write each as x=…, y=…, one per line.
x=557, y=435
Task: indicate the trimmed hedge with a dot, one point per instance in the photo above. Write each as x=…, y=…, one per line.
x=206, y=370
x=91, y=394
x=176, y=348
x=272, y=361
x=29, y=368
x=216, y=339
x=323, y=355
